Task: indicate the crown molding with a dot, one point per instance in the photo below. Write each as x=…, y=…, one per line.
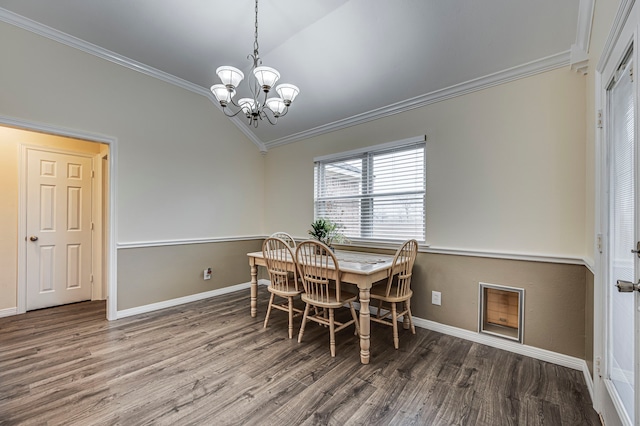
x=71, y=41
x=580, y=49
x=84, y=46
x=521, y=71
x=549, y=63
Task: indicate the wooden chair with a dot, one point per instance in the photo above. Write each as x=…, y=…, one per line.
x=284, y=283
x=286, y=238
x=397, y=290
x=320, y=274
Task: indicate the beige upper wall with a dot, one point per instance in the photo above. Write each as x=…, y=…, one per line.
x=505, y=167
x=183, y=169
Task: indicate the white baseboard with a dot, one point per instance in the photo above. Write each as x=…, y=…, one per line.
x=7, y=312
x=186, y=299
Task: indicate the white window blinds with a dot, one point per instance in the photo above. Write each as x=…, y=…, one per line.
x=377, y=194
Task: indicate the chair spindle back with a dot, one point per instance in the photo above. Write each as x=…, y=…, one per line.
x=402, y=267
x=278, y=255
x=286, y=238
x=318, y=268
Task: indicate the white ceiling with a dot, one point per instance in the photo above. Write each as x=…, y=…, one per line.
x=352, y=59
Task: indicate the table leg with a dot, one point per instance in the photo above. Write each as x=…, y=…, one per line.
x=254, y=289
x=365, y=325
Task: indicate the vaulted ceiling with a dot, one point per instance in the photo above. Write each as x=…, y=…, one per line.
x=353, y=60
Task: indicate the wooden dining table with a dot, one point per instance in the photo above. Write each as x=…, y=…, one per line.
x=359, y=268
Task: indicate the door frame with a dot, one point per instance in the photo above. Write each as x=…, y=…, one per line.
x=619, y=40
x=110, y=209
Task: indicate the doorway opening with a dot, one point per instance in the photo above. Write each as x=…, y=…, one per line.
x=22, y=137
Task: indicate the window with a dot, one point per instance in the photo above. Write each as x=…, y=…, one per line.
x=376, y=193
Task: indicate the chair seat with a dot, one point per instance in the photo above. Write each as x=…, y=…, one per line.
x=331, y=301
x=289, y=290
x=379, y=293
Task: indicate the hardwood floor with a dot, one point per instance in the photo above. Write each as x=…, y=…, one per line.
x=210, y=363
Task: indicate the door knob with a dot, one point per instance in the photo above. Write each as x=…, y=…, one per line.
x=627, y=286
x=33, y=238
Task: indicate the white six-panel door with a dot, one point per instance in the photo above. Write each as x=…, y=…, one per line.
x=58, y=228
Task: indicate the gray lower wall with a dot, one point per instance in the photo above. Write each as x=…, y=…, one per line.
x=558, y=297
x=156, y=274
x=554, y=317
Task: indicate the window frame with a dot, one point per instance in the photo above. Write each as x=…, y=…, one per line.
x=367, y=154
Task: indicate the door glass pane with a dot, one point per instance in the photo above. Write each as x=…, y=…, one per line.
x=622, y=238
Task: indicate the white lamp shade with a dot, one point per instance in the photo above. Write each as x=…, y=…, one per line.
x=287, y=92
x=276, y=105
x=246, y=104
x=221, y=93
x=230, y=76
x=266, y=76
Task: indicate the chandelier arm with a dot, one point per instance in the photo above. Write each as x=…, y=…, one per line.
x=286, y=110
x=263, y=114
x=229, y=114
x=233, y=102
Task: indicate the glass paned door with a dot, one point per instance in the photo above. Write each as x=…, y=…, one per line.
x=622, y=236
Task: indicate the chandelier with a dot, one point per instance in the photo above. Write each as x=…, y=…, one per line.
x=260, y=106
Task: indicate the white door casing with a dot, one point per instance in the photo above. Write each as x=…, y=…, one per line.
x=59, y=246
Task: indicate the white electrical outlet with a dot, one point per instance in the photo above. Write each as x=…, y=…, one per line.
x=207, y=274
x=436, y=298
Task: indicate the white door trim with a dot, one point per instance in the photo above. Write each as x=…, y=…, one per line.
x=619, y=41
x=111, y=295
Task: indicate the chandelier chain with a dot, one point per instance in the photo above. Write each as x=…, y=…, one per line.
x=255, y=43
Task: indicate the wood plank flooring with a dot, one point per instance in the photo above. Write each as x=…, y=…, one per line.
x=210, y=363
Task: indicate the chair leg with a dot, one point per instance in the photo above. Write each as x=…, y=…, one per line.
x=413, y=328
x=266, y=320
x=304, y=321
x=379, y=309
x=394, y=316
x=290, y=317
x=355, y=319
x=332, y=333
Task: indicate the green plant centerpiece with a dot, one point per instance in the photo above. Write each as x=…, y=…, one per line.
x=327, y=232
